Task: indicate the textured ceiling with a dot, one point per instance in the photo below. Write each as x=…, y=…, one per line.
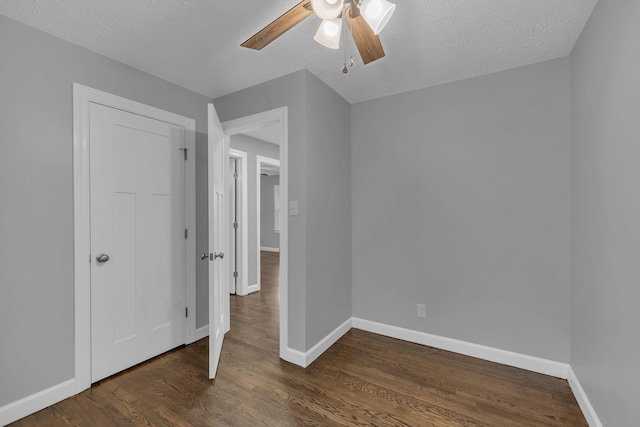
x=196, y=43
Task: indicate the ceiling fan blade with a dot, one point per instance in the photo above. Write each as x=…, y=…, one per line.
x=288, y=20
x=367, y=42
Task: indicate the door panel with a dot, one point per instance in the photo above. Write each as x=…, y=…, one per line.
x=124, y=283
x=138, y=219
x=161, y=268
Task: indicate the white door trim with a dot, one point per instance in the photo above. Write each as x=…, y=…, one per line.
x=243, y=285
x=82, y=97
x=277, y=117
x=260, y=160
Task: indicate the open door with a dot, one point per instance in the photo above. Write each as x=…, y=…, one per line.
x=217, y=206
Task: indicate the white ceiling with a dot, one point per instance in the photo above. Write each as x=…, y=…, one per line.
x=196, y=43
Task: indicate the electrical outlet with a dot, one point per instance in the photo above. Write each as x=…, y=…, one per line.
x=422, y=310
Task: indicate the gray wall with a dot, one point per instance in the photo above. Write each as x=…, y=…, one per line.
x=36, y=195
x=319, y=271
x=328, y=132
x=253, y=147
x=461, y=201
x=605, y=320
x=269, y=238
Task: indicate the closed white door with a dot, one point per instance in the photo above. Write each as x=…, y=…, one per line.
x=137, y=239
x=218, y=293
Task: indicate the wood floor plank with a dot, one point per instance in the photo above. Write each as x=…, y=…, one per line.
x=362, y=380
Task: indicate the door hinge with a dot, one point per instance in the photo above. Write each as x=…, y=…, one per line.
x=235, y=225
x=186, y=312
x=235, y=175
x=185, y=152
x=235, y=274
x=186, y=233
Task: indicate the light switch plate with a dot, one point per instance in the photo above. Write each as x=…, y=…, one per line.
x=293, y=208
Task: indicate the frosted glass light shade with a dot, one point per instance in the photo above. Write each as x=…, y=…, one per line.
x=377, y=13
x=327, y=9
x=329, y=33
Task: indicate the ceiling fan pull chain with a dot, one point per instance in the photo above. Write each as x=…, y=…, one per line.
x=345, y=70
x=346, y=41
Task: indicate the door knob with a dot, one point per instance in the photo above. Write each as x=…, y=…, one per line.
x=212, y=256
x=102, y=258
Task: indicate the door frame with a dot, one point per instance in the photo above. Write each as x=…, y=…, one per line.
x=279, y=117
x=260, y=160
x=243, y=284
x=83, y=96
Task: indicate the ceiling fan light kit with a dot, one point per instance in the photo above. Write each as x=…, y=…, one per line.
x=329, y=33
x=327, y=9
x=377, y=13
x=364, y=18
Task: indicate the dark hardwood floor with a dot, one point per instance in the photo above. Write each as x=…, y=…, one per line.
x=363, y=380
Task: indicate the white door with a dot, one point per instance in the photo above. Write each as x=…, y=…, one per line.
x=218, y=294
x=138, y=222
x=232, y=198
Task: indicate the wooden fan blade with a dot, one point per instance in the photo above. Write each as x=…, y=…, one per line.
x=368, y=43
x=288, y=20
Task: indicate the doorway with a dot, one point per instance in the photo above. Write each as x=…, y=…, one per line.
x=238, y=227
x=267, y=210
x=84, y=99
x=277, y=118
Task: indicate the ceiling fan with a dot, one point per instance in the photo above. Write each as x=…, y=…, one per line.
x=365, y=19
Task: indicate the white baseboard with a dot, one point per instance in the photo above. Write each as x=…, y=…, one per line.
x=294, y=356
x=268, y=249
x=34, y=403
x=509, y=358
x=253, y=288
x=314, y=352
x=202, y=332
x=530, y=363
x=583, y=400
x=305, y=359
